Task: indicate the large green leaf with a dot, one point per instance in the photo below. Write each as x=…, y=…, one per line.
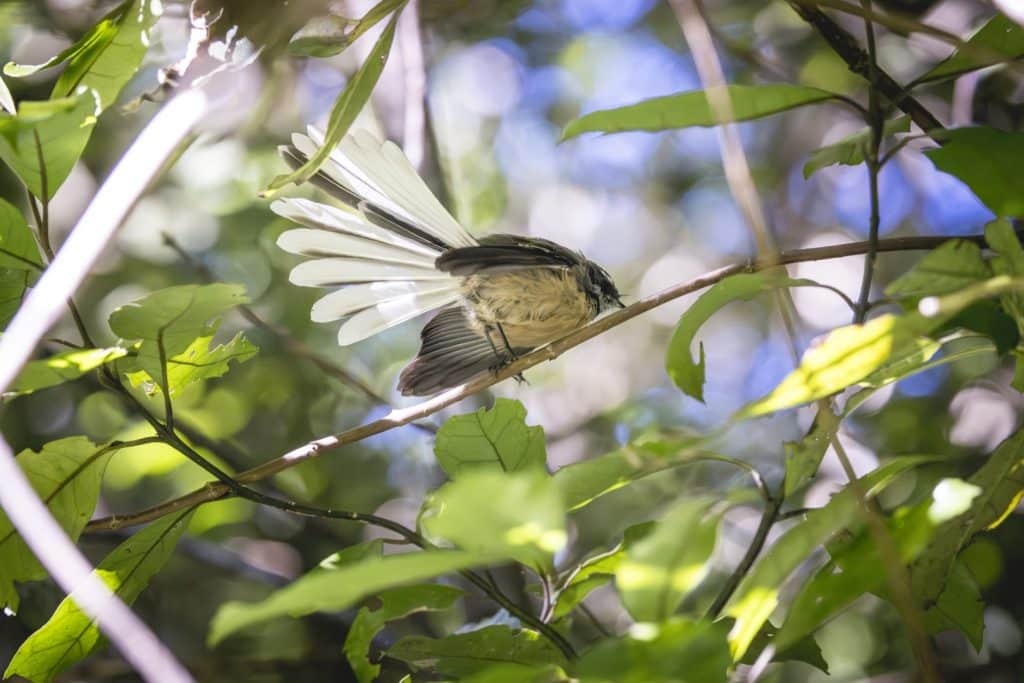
x=70, y=635
x=1000, y=39
x=61, y=126
x=465, y=654
x=687, y=374
x=348, y=105
x=583, y=482
x=396, y=603
x=668, y=563
x=519, y=515
x=66, y=474
x=326, y=36
x=678, y=650
x=341, y=588
x=758, y=593
x=106, y=57
x=595, y=571
x=18, y=248
x=988, y=160
x=954, y=265
x=498, y=438
x=692, y=109
x=62, y=367
x=199, y=362
x=170, y=320
x=1001, y=484
x=851, y=150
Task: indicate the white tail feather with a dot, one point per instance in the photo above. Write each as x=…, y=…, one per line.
x=390, y=313
x=334, y=272
x=319, y=243
x=355, y=298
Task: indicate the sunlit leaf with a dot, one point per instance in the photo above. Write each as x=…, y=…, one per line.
x=583, y=482
x=804, y=457
x=688, y=374
x=168, y=321
x=70, y=635
x=66, y=474
x=1000, y=39
x=758, y=593
x=389, y=605
x=340, y=588
x=6, y=100
x=498, y=438
x=676, y=650
x=18, y=248
x=518, y=515
x=199, y=362
x=954, y=265
x=1001, y=484
x=62, y=367
x=348, y=105
x=692, y=109
x=329, y=35
x=988, y=160
x=851, y=150
x=464, y=654
x=668, y=563
x=596, y=571
x=62, y=127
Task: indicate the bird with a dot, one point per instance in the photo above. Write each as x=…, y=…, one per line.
x=392, y=252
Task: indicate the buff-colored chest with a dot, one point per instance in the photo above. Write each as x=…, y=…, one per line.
x=533, y=307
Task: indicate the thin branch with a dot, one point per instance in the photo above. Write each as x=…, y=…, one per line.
x=876, y=123
x=847, y=48
x=768, y=519
x=402, y=416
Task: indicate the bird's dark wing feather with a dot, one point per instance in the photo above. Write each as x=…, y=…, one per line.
x=452, y=353
x=502, y=253
x=375, y=214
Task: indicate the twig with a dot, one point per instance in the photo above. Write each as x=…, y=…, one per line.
x=847, y=48
x=401, y=416
x=768, y=519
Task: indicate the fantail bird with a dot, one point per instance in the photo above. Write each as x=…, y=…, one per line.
x=400, y=254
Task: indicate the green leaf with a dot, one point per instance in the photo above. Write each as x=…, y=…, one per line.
x=666, y=565
x=804, y=457
x=490, y=513
x=678, y=650
x=758, y=593
x=341, y=588
x=689, y=375
x=396, y=603
x=13, y=284
x=6, y=101
x=18, y=248
x=70, y=635
x=692, y=109
x=959, y=606
x=952, y=266
x=583, y=482
x=989, y=319
x=199, y=362
x=1001, y=484
x=348, y=105
x=847, y=356
x=66, y=474
x=855, y=570
x=170, y=320
x=329, y=35
x=1009, y=261
x=60, y=368
x=62, y=127
x=465, y=654
x=595, y=571
x=851, y=150
x=498, y=438
x=353, y=554
x=1000, y=39
x=988, y=160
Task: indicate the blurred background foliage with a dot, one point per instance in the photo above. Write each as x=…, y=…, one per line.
x=502, y=79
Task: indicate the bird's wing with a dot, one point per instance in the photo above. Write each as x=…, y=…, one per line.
x=503, y=253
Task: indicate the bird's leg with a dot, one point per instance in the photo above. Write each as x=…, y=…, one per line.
x=511, y=354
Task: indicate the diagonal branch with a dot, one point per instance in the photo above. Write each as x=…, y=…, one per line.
x=402, y=416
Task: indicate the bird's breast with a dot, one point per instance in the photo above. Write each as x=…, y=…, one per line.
x=533, y=306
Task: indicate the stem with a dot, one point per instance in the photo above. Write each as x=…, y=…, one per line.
x=768, y=519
